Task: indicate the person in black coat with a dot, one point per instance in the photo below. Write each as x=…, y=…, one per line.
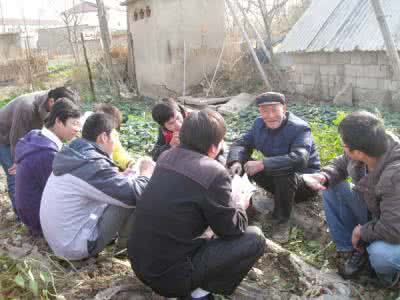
x=189, y=192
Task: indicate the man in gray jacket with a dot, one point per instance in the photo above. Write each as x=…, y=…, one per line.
x=20, y=116
x=364, y=216
x=87, y=201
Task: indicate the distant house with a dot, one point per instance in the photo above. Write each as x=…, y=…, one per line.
x=27, y=29
x=338, y=44
x=175, y=42
x=87, y=15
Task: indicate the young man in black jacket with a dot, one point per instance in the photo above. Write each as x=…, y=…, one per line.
x=169, y=115
x=189, y=192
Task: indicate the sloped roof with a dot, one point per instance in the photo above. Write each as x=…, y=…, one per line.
x=83, y=7
x=342, y=25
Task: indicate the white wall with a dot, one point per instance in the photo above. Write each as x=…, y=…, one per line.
x=159, y=42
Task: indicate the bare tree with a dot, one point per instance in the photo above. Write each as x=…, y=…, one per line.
x=72, y=20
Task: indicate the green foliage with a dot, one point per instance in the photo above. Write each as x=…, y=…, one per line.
x=61, y=71
x=27, y=279
x=139, y=133
x=12, y=96
x=327, y=138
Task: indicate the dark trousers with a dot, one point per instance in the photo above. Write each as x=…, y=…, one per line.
x=115, y=220
x=286, y=190
x=218, y=266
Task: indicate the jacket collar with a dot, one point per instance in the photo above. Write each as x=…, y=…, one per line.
x=372, y=178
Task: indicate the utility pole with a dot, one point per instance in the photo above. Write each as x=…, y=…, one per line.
x=387, y=36
x=105, y=37
x=246, y=37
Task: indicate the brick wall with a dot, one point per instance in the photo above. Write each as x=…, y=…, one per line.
x=322, y=75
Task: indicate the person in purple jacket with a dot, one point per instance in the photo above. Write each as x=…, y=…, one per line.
x=34, y=156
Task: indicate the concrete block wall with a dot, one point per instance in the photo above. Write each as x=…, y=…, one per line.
x=322, y=75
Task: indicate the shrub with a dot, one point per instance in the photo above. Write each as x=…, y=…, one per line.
x=327, y=138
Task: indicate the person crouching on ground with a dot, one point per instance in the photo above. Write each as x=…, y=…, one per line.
x=120, y=156
x=364, y=216
x=189, y=192
x=34, y=155
x=87, y=201
x=169, y=115
x=289, y=150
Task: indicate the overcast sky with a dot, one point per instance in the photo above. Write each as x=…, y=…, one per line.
x=43, y=9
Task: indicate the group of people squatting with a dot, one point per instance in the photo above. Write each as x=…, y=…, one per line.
x=71, y=181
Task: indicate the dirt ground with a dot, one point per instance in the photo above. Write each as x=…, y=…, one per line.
x=108, y=277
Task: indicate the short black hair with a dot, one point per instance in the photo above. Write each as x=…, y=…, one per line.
x=363, y=131
x=201, y=129
x=96, y=124
x=63, y=92
x=165, y=110
x=113, y=111
x=63, y=109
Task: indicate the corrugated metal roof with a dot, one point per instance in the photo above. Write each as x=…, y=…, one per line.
x=342, y=25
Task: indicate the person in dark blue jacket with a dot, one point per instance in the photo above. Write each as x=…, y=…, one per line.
x=34, y=155
x=289, y=150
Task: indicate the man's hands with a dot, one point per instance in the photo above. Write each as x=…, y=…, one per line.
x=315, y=181
x=13, y=169
x=251, y=168
x=175, y=141
x=356, y=237
x=254, y=167
x=146, y=167
x=236, y=169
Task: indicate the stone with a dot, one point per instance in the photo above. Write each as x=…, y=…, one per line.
x=237, y=104
x=345, y=96
x=255, y=274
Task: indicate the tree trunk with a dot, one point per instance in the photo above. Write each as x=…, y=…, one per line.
x=131, y=59
x=253, y=53
x=88, y=67
x=105, y=37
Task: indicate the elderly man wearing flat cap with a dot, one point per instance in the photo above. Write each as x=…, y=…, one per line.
x=288, y=148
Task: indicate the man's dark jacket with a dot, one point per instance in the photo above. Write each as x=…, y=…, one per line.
x=287, y=149
x=187, y=193
x=380, y=189
x=20, y=116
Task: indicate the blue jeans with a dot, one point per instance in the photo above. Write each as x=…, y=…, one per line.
x=385, y=260
x=6, y=162
x=344, y=210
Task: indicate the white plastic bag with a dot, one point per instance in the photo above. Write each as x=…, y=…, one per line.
x=242, y=190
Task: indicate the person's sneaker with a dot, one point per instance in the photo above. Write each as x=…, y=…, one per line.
x=353, y=265
x=281, y=232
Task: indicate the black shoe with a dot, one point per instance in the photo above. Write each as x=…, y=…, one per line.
x=206, y=297
x=353, y=265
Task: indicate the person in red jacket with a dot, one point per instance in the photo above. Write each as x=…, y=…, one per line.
x=169, y=115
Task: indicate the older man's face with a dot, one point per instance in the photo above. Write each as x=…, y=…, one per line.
x=273, y=114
